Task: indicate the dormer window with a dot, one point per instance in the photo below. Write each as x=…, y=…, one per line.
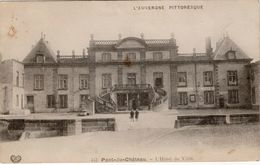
x=39, y=58
x=231, y=55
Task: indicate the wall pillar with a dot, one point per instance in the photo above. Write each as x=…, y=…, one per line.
x=173, y=101
x=74, y=127
x=143, y=73
x=143, y=67
x=120, y=74
x=173, y=95
x=55, y=87
x=92, y=73
x=216, y=85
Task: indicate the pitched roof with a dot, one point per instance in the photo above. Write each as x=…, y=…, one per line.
x=42, y=47
x=226, y=45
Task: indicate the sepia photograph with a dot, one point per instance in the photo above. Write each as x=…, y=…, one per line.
x=129, y=81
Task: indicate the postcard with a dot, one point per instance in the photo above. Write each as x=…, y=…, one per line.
x=129, y=81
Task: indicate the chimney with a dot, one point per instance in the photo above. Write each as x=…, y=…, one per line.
x=142, y=35
x=194, y=52
x=73, y=53
x=208, y=47
x=91, y=42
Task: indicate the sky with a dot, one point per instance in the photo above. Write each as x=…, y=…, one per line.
x=68, y=25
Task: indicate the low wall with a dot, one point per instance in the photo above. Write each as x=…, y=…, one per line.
x=34, y=128
x=216, y=119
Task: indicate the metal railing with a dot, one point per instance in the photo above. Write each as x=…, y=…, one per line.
x=131, y=86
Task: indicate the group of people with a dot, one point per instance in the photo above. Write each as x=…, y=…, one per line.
x=134, y=113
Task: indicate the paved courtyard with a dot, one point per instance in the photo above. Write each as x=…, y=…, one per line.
x=207, y=143
x=153, y=137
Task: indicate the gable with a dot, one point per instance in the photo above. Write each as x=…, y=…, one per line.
x=42, y=48
x=227, y=45
x=131, y=43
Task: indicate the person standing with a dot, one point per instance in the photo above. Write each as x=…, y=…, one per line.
x=136, y=114
x=132, y=115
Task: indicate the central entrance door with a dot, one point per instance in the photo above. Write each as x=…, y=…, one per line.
x=131, y=97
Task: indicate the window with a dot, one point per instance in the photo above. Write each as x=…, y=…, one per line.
x=106, y=80
x=208, y=78
x=131, y=78
x=17, y=78
x=50, y=101
x=17, y=100
x=158, y=79
x=208, y=97
x=157, y=56
x=131, y=56
x=232, y=78
x=83, y=81
x=30, y=100
x=38, y=82
x=233, y=96
x=183, y=98
x=182, y=79
x=253, y=95
x=63, y=81
x=106, y=57
x=39, y=58
x=83, y=100
x=63, y=101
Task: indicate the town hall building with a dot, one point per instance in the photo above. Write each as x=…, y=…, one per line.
x=110, y=74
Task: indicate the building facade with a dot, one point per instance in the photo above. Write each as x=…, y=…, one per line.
x=114, y=73
x=12, y=87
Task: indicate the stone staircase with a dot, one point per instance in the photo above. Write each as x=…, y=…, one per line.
x=104, y=103
x=160, y=99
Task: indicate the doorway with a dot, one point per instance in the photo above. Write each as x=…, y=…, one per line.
x=30, y=103
x=131, y=97
x=221, y=102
